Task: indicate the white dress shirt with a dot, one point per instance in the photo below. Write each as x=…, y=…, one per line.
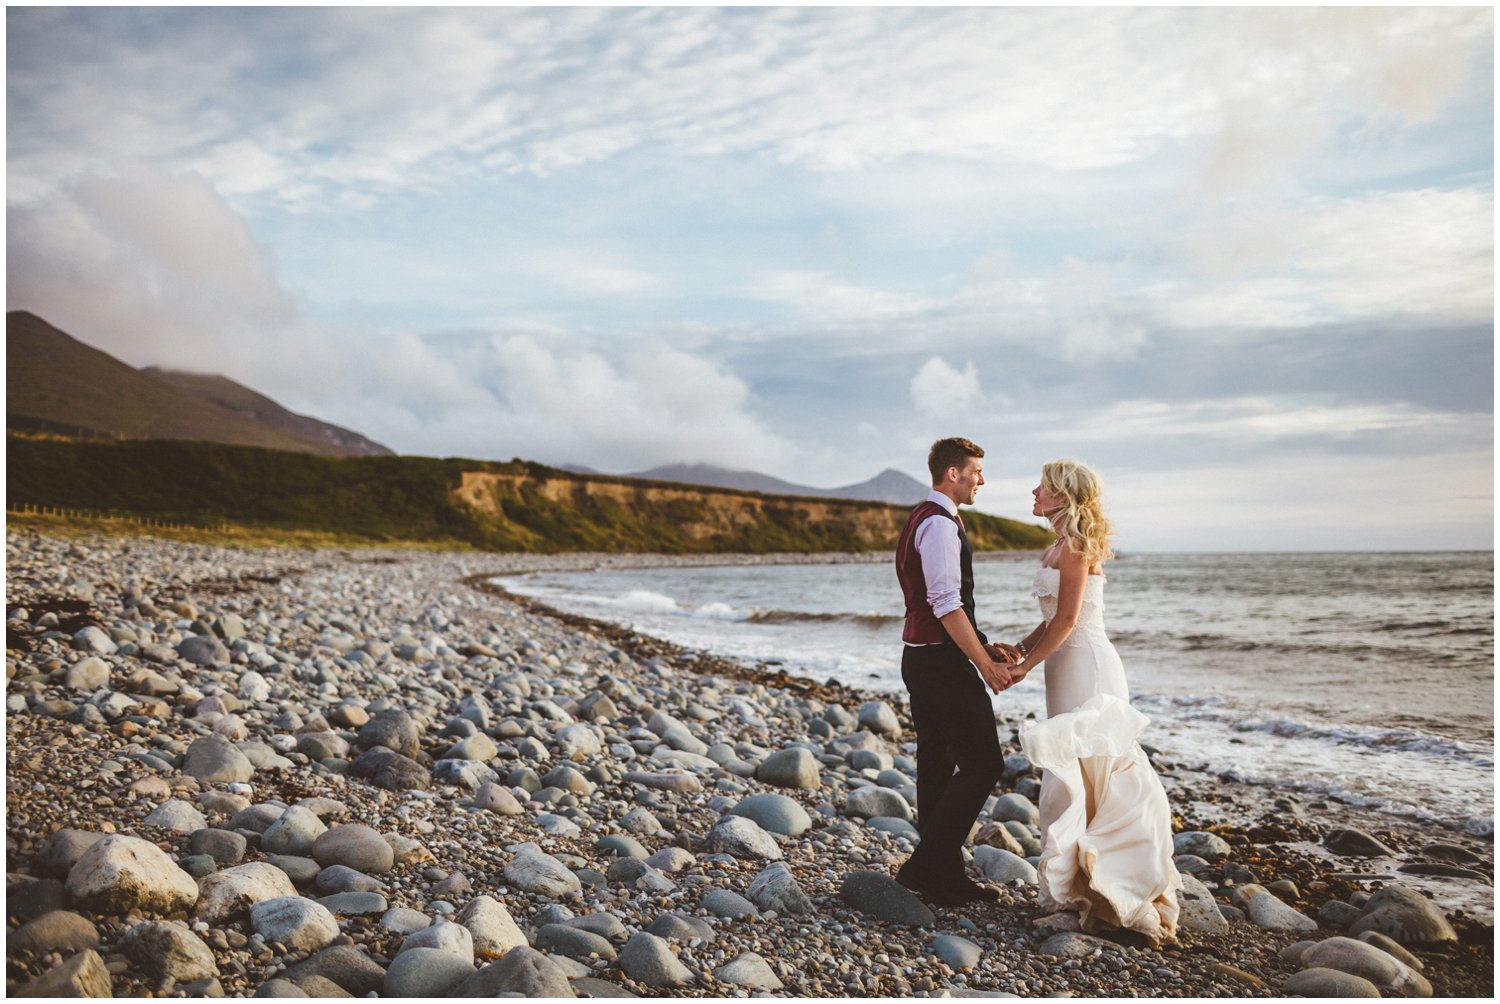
x=937, y=543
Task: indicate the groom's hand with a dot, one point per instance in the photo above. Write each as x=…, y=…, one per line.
x=997, y=675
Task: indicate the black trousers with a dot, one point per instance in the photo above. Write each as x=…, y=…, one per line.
x=958, y=752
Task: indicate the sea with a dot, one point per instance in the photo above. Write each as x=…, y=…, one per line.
x=1367, y=678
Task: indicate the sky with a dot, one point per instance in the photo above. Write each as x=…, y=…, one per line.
x=1240, y=261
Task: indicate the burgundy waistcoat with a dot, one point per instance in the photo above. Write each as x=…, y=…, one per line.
x=922, y=626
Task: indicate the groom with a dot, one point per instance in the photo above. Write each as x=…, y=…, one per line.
x=946, y=666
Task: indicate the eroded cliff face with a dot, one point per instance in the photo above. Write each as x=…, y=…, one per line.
x=700, y=515
x=646, y=515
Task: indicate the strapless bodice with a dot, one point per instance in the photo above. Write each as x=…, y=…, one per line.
x=1045, y=587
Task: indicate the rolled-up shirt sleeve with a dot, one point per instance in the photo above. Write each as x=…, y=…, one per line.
x=937, y=543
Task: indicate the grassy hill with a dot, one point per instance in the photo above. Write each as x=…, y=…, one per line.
x=56, y=383
x=516, y=506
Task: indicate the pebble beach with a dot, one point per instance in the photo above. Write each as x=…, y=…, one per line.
x=279, y=772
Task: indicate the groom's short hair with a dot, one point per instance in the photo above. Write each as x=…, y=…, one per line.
x=952, y=452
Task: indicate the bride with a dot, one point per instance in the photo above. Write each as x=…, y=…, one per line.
x=1106, y=857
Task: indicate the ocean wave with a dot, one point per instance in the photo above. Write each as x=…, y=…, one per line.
x=1402, y=740
x=644, y=601
x=809, y=616
x=1477, y=826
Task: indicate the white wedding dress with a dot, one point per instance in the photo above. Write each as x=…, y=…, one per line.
x=1106, y=827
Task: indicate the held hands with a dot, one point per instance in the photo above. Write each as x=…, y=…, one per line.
x=996, y=675
x=1008, y=660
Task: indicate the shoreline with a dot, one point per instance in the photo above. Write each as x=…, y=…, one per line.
x=307, y=601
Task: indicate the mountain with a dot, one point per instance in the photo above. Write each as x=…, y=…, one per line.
x=889, y=485
x=246, y=403
x=56, y=383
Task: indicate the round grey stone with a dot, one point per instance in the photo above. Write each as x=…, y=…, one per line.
x=425, y=972
x=215, y=760
x=168, y=949
x=882, y=897
x=295, y=922
x=561, y=939
x=648, y=959
x=293, y=832
x=1405, y=916
x=1318, y=982
x=775, y=814
x=1200, y=843
x=873, y=800
x=743, y=838
x=1016, y=807
x=356, y=845
x=523, y=971
x=748, y=970
x=960, y=953
x=728, y=904
x=775, y=888
x=790, y=768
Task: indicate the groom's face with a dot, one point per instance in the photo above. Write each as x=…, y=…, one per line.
x=970, y=477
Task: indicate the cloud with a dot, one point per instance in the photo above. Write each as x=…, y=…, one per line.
x=818, y=296
x=1261, y=419
x=1425, y=255
x=158, y=269
x=941, y=392
x=155, y=263
x=366, y=99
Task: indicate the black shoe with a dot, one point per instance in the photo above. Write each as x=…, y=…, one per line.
x=931, y=889
x=973, y=892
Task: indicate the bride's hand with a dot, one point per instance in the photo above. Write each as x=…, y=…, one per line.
x=997, y=676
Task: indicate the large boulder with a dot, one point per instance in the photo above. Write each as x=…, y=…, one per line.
x=395, y=730
x=1356, y=843
x=649, y=960
x=226, y=894
x=169, y=949
x=294, y=832
x=1266, y=910
x=1386, y=971
x=425, y=973
x=215, y=760
x=1003, y=866
x=55, y=931
x=346, y=966
x=775, y=814
x=120, y=873
x=878, y=717
x=299, y=924
x=534, y=870
x=1199, y=912
x=794, y=767
x=1201, y=844
x=83, y=975
x=873, y=800
x=494, y=930
x=1405, y=916
x=1322, y=982
x=741, y=837
x=775, y=888
x=748, y=970
x=356, y=846
x=882, y=897
x=524, y=971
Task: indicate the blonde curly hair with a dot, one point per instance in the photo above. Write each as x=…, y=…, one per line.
x=1081, y=520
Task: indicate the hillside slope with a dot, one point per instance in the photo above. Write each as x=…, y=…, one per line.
x=56, y=383
x=515, y=506
x=241, y=400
